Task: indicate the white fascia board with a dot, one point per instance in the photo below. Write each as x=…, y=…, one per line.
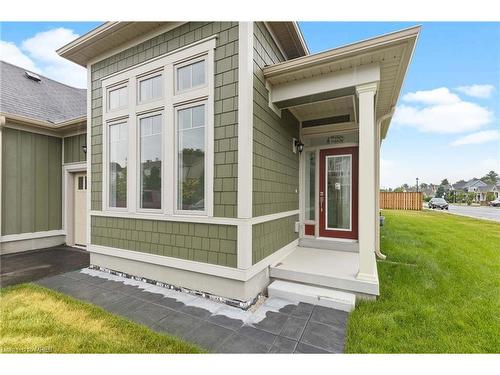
x=326, y=82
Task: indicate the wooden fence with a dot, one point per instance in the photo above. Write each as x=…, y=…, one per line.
x=401, y=201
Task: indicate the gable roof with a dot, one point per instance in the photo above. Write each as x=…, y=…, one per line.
x=486, y=188
x=45, y=100
x=474, y=182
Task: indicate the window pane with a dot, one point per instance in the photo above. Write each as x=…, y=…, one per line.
x=117, y=98
x=118, y=153
x=198, y=73
x=190, y=76
x=338, y=199
x=191, y=161
x=184, y=78
x=310, y=184
x=150, y=88
x=150, y=159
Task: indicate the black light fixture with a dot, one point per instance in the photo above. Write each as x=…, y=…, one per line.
x=84, y=148
x=299, y=146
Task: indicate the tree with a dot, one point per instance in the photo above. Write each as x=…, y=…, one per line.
x=490, y=178
x=440, y=191
x=445, y=182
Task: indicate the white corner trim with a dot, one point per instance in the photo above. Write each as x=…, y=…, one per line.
x=89, y=150
x=244, y=246
x=32, y=235
x=245, y=119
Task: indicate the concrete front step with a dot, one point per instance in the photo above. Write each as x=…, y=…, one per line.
x=297, y=292
x=330, y=244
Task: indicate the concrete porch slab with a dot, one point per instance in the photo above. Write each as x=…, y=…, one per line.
x=327, y=268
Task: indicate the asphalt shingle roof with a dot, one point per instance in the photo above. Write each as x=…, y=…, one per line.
x=46, y=100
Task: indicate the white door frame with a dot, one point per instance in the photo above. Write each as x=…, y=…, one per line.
x=68, y=199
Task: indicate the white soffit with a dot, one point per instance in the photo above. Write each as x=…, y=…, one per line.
x=326, y=108
x=105, y=38
x=393, y=53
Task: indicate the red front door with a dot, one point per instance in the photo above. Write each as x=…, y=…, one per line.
x=338, y=193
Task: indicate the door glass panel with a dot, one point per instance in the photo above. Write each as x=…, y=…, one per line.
x=310, y=184
x=338, y=190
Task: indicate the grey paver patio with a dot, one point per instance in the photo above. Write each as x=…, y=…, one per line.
x=278, y=326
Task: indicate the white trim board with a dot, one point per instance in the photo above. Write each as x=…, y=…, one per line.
x=32, y=235
x=199, y=267
x=193, y=218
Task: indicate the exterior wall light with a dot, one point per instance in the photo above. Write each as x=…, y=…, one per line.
x=299, y=146
x=84, y=148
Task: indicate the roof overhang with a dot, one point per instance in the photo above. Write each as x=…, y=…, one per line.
x=290, y=38
x=56, y=129
x=392, y=53
x=111, y=36
x=108, y=37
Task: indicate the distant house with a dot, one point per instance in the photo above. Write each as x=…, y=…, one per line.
x=479, y=187
x=482, y=191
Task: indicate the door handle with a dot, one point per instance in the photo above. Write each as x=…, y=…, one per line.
x=321, y=202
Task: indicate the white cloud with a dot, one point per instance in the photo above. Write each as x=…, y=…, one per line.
x=477, y=138
x=477, y=91
x=38, y=54
x=10, y=53
x=441, y=95
x=441, y=111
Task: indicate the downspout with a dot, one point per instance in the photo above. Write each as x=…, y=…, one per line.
x=379, y=129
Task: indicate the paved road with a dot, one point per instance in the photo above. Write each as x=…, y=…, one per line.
x=483, y=212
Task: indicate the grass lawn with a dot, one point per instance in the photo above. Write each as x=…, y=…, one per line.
x=439, y=286
x=34, y=319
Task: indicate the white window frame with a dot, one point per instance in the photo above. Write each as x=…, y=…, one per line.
x=183, y=64
x=145, y=77
x=117, y=86
x=106, y=173
x=169, y=103
x=177, y=210
x=162, y=172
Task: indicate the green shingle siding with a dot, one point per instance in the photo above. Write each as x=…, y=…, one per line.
x=271, y=236
x=225, y=103
x=31, y=182
x=275, y=166
x=73, y=150
x=207, y=243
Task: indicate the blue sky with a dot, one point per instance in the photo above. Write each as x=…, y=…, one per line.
x=450, y=96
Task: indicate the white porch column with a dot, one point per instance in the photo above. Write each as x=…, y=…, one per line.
x=367, y=181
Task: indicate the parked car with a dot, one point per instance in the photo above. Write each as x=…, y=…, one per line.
x=495, y=203
x=438, y=203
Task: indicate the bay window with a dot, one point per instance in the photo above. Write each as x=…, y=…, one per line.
x=158, y=139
